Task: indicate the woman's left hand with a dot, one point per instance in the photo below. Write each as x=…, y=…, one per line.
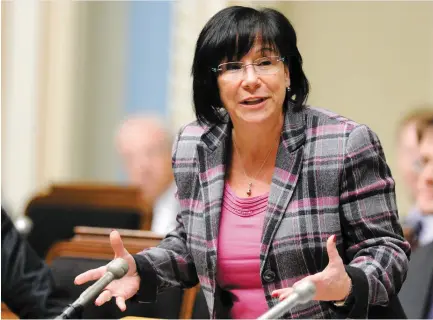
x=332, y=284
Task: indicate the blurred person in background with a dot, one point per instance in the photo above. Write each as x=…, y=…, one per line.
x=27, y=283
x=417, y=292
x=408, y=158
x=272, y=192
x=144, y=144
x=425, y=180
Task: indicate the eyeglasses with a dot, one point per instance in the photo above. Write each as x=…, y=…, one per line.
x=262, y=66
x=418, y=165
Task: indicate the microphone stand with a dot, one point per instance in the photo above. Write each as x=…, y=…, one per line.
x=73, y=311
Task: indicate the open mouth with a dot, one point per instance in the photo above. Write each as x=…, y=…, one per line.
x=251, y=102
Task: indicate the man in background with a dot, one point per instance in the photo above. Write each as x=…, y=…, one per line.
x=144, y=144
x=408, y=165
x=425, y=181
x=417, y=292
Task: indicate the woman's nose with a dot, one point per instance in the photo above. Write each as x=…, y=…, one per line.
x=250, y=76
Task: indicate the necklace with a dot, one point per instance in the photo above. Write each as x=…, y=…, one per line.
x=250, y=184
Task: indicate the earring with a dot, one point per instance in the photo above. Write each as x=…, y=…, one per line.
x=288, y=89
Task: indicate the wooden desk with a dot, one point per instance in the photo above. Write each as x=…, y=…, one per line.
x=6, y=313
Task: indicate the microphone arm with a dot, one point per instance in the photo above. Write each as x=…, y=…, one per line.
x=116, y=269
x=302, y=293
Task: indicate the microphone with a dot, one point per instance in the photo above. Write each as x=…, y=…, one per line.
x=116, y=269
x=302, y=293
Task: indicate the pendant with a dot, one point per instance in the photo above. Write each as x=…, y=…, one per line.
x=249, y=189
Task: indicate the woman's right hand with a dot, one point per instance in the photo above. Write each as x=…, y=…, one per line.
x=123, y=288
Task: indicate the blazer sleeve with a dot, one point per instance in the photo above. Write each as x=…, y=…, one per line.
x=170, y=264
x=372, y=236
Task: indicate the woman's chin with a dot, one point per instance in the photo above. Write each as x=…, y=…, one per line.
x=256, y=116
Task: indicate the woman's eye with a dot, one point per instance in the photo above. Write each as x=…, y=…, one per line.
x=266, y=62
x=233, y=66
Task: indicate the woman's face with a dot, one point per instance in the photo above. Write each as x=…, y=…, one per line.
x=254, y=97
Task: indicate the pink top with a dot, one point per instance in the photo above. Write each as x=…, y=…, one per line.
x=239, y=241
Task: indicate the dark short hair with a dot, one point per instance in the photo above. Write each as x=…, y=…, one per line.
x=423, y=126
x=230, y=34
x=417, y=114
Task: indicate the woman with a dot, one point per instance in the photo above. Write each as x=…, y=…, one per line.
x=271, y=192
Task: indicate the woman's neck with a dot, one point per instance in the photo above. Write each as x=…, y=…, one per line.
x=255, y=140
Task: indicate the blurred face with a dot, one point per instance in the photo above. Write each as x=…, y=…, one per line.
x=408, y=156
x=425, y=182
x=255, y=93
x=147, y=159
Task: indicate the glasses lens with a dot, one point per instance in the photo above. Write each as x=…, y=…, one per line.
x=417, y=165
x=267, y=65
x=230, y=67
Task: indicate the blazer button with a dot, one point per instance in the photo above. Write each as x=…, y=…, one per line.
x=269, y=275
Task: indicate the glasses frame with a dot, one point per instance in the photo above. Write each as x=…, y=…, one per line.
x=218, y=69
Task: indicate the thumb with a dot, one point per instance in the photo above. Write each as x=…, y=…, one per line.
x=331, y=248
x=117, y=244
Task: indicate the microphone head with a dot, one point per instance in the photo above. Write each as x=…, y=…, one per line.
x=118, y=267
x=305, y=290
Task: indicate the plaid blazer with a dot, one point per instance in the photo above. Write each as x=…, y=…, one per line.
x=330, y=177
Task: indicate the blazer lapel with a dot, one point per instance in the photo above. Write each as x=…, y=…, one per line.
x=212, y=153
x=287, y=168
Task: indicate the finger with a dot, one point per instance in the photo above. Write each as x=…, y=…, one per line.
x=117, y=244
x=285, y=294
x=120, y=301
x=281, y=292
x=331, y=248
x=90, y=275
x=276, y=293
x=105, y=296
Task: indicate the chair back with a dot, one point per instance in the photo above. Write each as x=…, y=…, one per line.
x=55, y=214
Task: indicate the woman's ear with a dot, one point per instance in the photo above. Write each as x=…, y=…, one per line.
x=287, y=76
x=287, y=81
